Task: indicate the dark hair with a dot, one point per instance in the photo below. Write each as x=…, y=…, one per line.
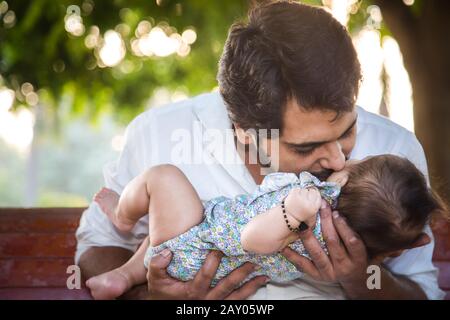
x=287, y=50
x=388, y=203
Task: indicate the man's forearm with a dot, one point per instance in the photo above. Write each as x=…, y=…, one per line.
x=97, y=260
x=392, y=287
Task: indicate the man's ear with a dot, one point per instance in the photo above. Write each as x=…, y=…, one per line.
x=242, y=135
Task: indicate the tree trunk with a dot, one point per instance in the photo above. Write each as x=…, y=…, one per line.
x=424, y=40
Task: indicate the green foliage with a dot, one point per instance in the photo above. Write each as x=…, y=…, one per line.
x=38, y=49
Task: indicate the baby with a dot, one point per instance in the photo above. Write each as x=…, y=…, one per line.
x=385, y=199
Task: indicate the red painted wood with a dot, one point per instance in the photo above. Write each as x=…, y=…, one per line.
x=39, y=219
x=29, y=272
x=44, y=294
x=37, y=245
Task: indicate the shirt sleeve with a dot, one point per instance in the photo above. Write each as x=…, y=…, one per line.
x=416, y=264
x=95, y=229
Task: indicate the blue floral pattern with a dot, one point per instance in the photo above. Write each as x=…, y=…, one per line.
x=221, y=229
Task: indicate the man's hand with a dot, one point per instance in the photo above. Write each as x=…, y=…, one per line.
x=162, y=286
x=347, y=261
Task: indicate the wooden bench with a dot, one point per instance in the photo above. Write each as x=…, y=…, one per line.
x=37, y=246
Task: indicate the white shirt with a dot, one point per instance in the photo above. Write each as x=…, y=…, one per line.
x=153, y=138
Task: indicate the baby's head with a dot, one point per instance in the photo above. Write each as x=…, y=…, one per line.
x=386, y=200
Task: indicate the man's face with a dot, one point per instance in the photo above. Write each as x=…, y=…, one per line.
x=314, y=141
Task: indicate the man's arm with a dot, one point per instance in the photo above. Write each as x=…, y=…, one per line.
x=395, y=287
x=98, y=260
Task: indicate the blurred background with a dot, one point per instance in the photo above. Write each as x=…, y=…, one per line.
x=74, y=73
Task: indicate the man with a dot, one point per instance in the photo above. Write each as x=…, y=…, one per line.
x=292, y=67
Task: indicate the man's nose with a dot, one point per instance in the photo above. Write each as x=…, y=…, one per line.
x=333, y=158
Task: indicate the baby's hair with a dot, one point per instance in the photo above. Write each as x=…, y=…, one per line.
x=388, y=203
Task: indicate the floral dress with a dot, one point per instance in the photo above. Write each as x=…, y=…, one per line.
x=221, y=228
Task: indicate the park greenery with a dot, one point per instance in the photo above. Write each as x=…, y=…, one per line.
x=55, y=46
x=81, y=60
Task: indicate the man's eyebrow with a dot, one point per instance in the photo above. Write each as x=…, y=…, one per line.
x=314, y=144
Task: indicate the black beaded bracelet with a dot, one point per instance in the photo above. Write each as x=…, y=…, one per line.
x=302, y=227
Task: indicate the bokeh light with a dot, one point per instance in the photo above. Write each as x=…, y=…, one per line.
x=9, y=19
x=73, y=22
x=376, y=57
x=3, y=7
x=16, y=129
x=408, y=2
x=399, y=89
x=189, y=36
x=370, y=55
x=113, y=50
x=161, y=41
x=7, y=97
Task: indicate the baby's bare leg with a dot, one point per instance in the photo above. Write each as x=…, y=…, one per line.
x=162, y=191
x=174, y=207
x=167, y=195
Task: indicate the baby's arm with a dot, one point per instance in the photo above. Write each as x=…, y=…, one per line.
x=268, y=233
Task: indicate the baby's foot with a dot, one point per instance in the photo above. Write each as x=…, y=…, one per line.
x=108, y=286
x=108, y=201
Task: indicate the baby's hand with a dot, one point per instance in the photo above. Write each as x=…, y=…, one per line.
x=339, y=177
x=303, y=204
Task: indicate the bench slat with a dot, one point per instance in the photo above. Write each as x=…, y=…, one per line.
x=44, y=294
x=32, y=245
x=34, y=272
x=37, y=245
x=39, y=219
